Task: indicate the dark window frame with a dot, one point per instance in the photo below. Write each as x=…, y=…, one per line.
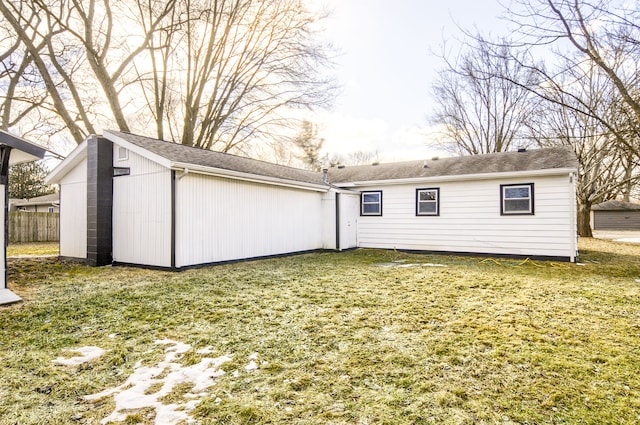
x=437, y=202
x=379, y=203
x=531, y=198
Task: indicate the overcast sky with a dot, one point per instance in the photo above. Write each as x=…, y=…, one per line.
x=386, y=70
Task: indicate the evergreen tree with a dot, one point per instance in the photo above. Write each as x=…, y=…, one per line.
x=26, y=180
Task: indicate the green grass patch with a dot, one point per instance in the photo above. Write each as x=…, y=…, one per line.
x=337, y=338
x=33, y=248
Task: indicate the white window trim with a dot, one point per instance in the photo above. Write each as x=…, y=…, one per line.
x=379, y=203
x=504, y=199
x=436, y=201
x=120, y=150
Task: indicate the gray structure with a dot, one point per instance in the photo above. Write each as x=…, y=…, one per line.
x=616, y=215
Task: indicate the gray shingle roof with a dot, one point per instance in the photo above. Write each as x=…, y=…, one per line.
x=530, y=160
x=538, y=159
x=176, y=152
x=38, y=200
x=616, y=205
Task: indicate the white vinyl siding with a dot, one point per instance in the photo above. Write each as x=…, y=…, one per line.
x=220, y=219
x=142, y=213
x=470, y=220
x=73, y=212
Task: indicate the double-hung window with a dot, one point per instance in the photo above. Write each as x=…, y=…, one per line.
x=516, y=199
x=371, y=203
x=428, y=201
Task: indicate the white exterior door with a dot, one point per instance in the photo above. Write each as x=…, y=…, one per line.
x=348, y=222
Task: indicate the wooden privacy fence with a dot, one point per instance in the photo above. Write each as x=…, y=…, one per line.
x=33, y=226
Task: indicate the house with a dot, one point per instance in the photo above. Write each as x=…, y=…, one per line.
x=13, y=150
x=45, y=203
x=512, y=203
x=616, y=215
x=128, y=199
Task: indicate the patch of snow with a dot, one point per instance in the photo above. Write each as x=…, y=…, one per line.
x=112, y=336
x=251, y=366
x=628, y=240
x=133, y=393
x=87, y=354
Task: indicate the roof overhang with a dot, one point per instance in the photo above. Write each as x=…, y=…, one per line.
x=80, y=153
x=21, y=150
x=248, y=177
x=462, y=177
x=212, y=171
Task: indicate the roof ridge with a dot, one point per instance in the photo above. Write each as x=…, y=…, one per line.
x=458, y=157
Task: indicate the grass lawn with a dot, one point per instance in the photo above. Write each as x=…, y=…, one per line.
x=328, y=338
x=33, y=248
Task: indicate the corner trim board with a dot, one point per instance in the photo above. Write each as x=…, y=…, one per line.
x=173, y=219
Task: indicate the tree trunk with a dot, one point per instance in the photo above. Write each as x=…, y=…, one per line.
x=584, y=220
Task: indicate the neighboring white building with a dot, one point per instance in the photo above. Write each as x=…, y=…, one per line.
x=45, y=203
x=13, y=150
x=127, y=199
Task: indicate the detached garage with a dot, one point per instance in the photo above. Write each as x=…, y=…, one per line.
x=616, y=215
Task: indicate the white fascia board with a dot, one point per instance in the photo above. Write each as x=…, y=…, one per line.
x=17, y=156
x=343, y=190
x=136, y=149
x=463, y=177
x=74, y=158
x=254, y=178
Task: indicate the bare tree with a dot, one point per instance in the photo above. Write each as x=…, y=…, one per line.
x=207, y=73
x=602, y=33
x=77, y=47
x=605, y=170
x=479, y=109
